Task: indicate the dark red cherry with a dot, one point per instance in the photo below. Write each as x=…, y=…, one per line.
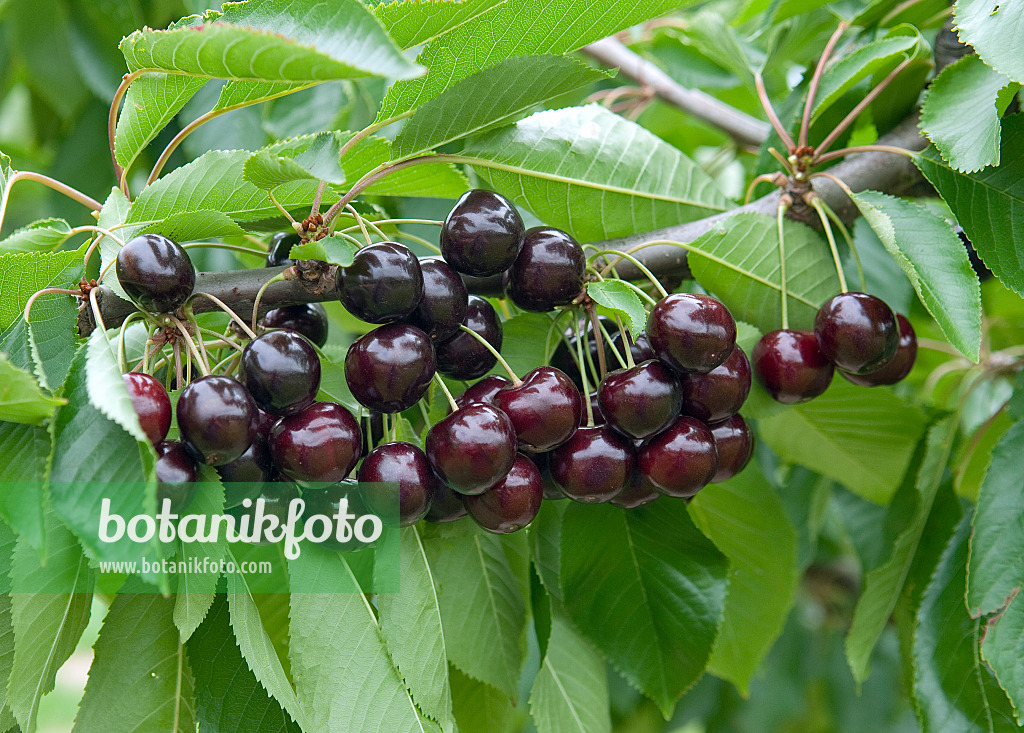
x=217, y=418
x=176, y=474
x=545, y=408
x=639, y=492
x=482, y=391
x=281, y=371
x=326, y=501
x=265, y=422
x=462, y=356
x=151, y=404
x=641, y=400
x=564, y=356
x=790, y=366
x=383, y=283
x=473, y=448
x=510, y=504
x=857, y=332
x=900, y=365
x=543, y=463
x=155, y=272
x=245, y=476
x=280, y=248
x=447, y=506
x=548, y=271
x=445, y=300
x=276, y=499
x=310, y=320
x=720, y=392
x=372, y=426
x=321, y=444
x=594, y=465
x=595, y=410
x=691, y=333
x=640, y=349
x=680, y=460
x=390, y=368
x=405, y=465
x=482, y=234
x=735, y=444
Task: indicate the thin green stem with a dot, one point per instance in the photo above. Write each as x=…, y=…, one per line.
x=849, y=243
x=494, y=352
x=220, y=337
x=52, y=183
x=784, y=203
x=812, y=88
x=444, y=388
x=583, y=373
x=815, y=201
x=46, y=291
x=201, y=362
x=115, y=104
x=221, y=245
x=611, y=344
x=224, y=307
x=602, y=362
x=625, y=340
x=770, y=111
x=418, y=240
x=259, y=296
x=360, y=222
x=284, y=212
x=842, y=152
x=636, y=263
x=122, y=356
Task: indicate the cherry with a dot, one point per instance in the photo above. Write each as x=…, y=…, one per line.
x=564, y=356
x=265, y=422
x=371, y=424
x=482, y=234
x=217, y=418
x=280, y=247
x=482, y=391
x=447, y=506
x=720, y=392
x=320, y=444
x=899, y=367
x=245, y=476
x=595, y=410
x=473, y=448
x=403, y=464
x=310, y=320
x=790, y=366
x=383, y=283
x=543, y=463
x=857, y=332
x=176, y=474
x=277, y=498
x=640, y=348
x=545, y=408
x=326, y=500
x=548, y=271
x=510, y=504
x=691, y=333
x=445, y=300
x=155, y=272
x=594, y=465
x=281, y=371
x=151, y=404
x=638, y=492
x=390, y=368
x=462, y=356
x=641, y=400
x=735, y=444
x=680, y=460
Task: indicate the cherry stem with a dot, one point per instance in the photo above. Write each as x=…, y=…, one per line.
x=447, y=393
x=842, y=152
x=494, y=352
x=177, y=363
x=362, y=224
x=602, y=362
x=611, y=344
x=418, y=240
x=220, y=337
x=625, y=340
x=122, y=356
x=97, y=316
x=770, y=111
x=259, y=296
x=769, y=177
x=849, y=242
x=373, y=176
x=815, y=201
x=583, y=373
x=636, y=263
x=224, y=307
x=56, y=185
x=785, y=201
x=115, y=103
x=221, y=245
x=201, y=362
x=284, y=212
x=786, y=165
x=812, y=88
x=366, y=132
x=315, y=208
x=46, y=291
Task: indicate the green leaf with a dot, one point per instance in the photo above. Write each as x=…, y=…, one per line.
x=622, y=299
x=483, y=610
x=989, y=205
x=139, y=679
x=414, y=22
x=527, y=339
x=44, y=235
x=480, y=708
x=7, y=545
x=114, y=213
x=240, y=93
x=106, y=388
x=494, y=97
x=51, y=600
x=333, y=249
x=994, y=30
x=1003, y=648
x=738, y=261
x=24, y=464
x=151, y=103
x=648, y=589
x=191, y=225
x=955, y=691
x=309, y=157
x=935, y=260
x=195, y=592
x=594, y=174
x=879, y=56
x=21, y=399
x=433, y=180
x=546, y=547
x=742, y=516
x=961, y=113
x=23, y=273
x=862, y=438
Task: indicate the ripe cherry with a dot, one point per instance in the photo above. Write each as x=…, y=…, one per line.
x=641, y=400
x=548, y=271
x=510, y=504
x=447, y=506
x=326, y=501
x=176, y=474
x=482, y=234
x=638, y=492
x=899, y=367
x=281, y=371
x=383, y=283
x=483, y=390
x=245, y=476
x=857, y=332
x=735, y=444
x=403, y=464
x=217, y=418
x=280, y=247
x=720, y=392
x=151, y=404
x=691, y=333
x=321, y=444
x=445, y=300
x=310, y=320
x=473, y=448
x=545, y=408
x=277, y=497
x=640, y=348
x=155, y=272
x=594, y=465
x=564, y=356
x=390, y=368
x=790, y=366
x=680, y=460
x=462, y=356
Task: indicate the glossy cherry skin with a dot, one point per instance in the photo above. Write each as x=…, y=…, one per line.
x=390, y=368
x=245, y=476
x=403, y=464
x=595, y=411
x=383, y=283
x=901, y=364
x=735, y=443
x=447, y=506
x=277, y=498
x=857, y=332
x=790, y=366
x=445, y=300
x=545, y=408
x=510, y=504
x=543, y=463
x=176, y=474
x=720, y=392
x=462, y=356
x=639, y=492
x=321, y=444
x=594, y=465
x=281, y=371
x=265, y=422
x=680, y=460
x=155, y=272
x=372, y=426
x=548, y=271
x=482, y=234
x=326, y=500
x=473, y=448
x=310, y=320
x=217, y=418
x=640, y=349
x=641, y=400
x=691, y=333
x=151, y=404
x=280, y=246
x=482, y=391
x=564, y=356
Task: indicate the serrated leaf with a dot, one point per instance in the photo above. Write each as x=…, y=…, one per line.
x=7, y=544
x=961, y=113
x=480, y=708
x=23, y=273
x=113, y=213
x=139, y=679
x=1002, y=647
x=738, y=261
x=333, y=249
x=622, y=299
x=240, y=93
x=935, y=261
x=994, y=30
x=432, y=180
x=862, y=438
x=106, y=388
x=192, y=225
x=493, y=97
x=545, y=534
x=594, y=174
x=413, y=22
x=268, y=171
x=44, y=235
x=195, y=592
x=149, y=106
x=24, y=464
x=648, y=589
x=21, y=399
